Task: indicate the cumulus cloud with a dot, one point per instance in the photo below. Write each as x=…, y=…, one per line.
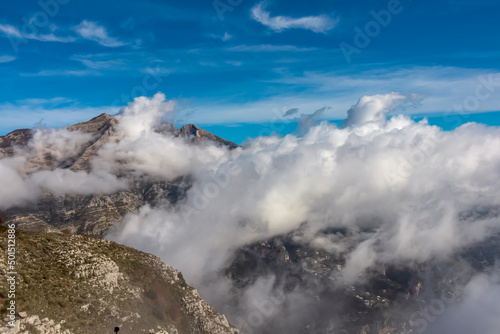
x=97, y=33
x=138, y=147
x=371, y=109
x=403, y=192
x=317, y=24
x=407, y=183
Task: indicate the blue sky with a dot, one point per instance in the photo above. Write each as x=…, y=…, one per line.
x=243, y=61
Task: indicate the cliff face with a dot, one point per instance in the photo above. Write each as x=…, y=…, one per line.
x=96, y=213
x=15, y=138
x=82, y=284
x=391, y=299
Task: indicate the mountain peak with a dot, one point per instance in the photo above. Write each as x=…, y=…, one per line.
x=94, y=124
x=196, y=135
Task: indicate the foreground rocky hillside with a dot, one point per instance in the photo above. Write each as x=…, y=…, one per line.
x=82, y=284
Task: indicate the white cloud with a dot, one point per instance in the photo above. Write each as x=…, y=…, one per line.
x=15, y=190
x=268, y=48
x=52, y=73
x=7, y=59
x=318, y=24
x=97, y=33
x=99, y=62
x=371, y=109
x=94, y=64
x=390, y=178
x=400, y=190
x=140, y=148
x=63, y=181
x=444, y=88
x=226, y=37
x=11, y=31
x=478, y=310
x=54, y=101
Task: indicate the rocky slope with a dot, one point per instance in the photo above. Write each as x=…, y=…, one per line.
x=82, y=284
x=380, y=302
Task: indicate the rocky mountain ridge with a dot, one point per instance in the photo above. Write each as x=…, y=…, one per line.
x=96, y=213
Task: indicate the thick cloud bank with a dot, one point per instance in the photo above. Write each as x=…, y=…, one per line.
x=402, y=191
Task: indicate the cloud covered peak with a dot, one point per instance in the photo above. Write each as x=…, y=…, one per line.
x=141, y=115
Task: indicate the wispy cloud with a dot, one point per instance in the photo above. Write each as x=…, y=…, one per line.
x=6, y=59
x=99, y=61
x=443, y=89
x=318, y=24
x=57, y=111
x=268, y=48
x=11, y=31
x=226, y=37
x=158, y=70
x=52, y=73
x=97, y=33
x=54, y=101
